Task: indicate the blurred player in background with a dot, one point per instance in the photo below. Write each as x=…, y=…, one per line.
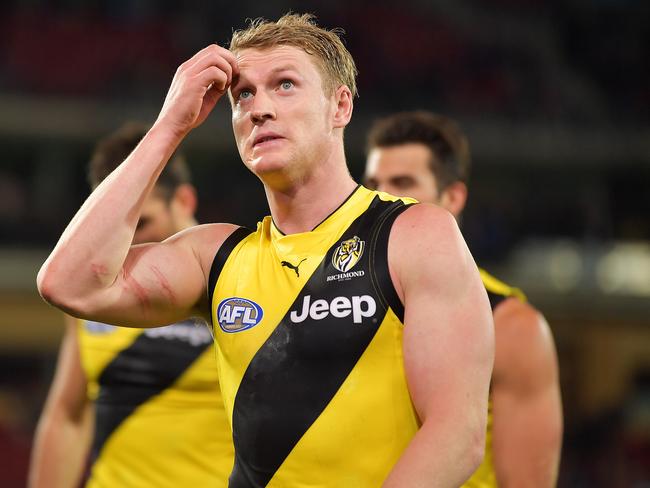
x=426, y=156
x=142, y=405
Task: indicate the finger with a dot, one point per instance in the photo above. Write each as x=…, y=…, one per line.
x=212, y=96
x=192, y=61
x=225, y=66
x=214, y=55
x=213, y=78
x=211, y=61
x=228, y=56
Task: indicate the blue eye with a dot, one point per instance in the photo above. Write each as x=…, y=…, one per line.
x=286, y=84
x=244, y=94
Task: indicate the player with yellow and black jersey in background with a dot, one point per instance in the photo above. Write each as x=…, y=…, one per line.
x=143, y=405
x=426, y=156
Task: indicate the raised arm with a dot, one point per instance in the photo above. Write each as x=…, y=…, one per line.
x=527, y=428
x=64, y=431
x=448, y=348
x=93, y=272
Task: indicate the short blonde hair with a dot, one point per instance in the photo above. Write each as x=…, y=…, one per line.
x=301, y=31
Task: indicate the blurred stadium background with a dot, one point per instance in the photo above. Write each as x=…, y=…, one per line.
x=554, y=95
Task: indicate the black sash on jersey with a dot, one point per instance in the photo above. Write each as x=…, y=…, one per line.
x=298, y=370
x=220, y=260
x=126, y=382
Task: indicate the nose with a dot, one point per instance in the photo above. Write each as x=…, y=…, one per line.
x=262, y=109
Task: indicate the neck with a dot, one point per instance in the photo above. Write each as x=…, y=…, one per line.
x=302, y=204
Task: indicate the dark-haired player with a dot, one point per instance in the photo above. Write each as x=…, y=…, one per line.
x=426, y=156
x=143, y=404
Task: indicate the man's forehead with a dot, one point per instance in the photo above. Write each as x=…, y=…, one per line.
x=402, y=158
x=405, y=152
x=271, y=56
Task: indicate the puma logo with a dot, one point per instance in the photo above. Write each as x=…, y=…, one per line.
x=291, y=266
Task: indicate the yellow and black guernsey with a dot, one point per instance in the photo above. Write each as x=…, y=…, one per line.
x=309, y=329
x=159, y=416
x=485, y=476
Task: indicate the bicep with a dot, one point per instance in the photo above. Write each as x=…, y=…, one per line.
x=159, y=283
x=448, y=334
x=526, y=401
x=530, y=421
x=448, y=345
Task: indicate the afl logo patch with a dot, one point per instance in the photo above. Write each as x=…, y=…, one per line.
x=235, y=314
x=348, y=254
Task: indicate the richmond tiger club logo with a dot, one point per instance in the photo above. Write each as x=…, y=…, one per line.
x=345, y=257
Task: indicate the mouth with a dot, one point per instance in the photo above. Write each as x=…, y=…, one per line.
x=265, y=139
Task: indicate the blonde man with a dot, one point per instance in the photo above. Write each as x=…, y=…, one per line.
x=355, y=336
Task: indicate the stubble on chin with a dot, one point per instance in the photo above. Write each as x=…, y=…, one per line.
x=282, y=173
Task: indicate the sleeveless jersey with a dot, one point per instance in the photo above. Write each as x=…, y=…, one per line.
x=485, y=476
x=309, y=329
x=159, y=417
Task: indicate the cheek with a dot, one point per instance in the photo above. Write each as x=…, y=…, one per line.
x=420, y=192
x=316, y=113
x=144, y=235
x=236, y=124
x=238, y=118
x=432, y=191
x=162, y=228
x=427, y=195
x=238, y=129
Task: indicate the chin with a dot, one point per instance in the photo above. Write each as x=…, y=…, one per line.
x=268, y=163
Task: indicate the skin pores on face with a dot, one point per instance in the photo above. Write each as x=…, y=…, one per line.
x=281, y=115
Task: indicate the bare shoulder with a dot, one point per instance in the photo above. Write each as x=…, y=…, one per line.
x=423, y=220
x=524, y=342
x=423, y=235
x=206, y=232
x=204, y=240
x=520, y=325
x=426, y=248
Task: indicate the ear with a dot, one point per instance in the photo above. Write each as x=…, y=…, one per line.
x=454, y=197
x=343, y=108
x=184, y=200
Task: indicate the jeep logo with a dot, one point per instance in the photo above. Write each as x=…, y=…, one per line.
x=339, y=307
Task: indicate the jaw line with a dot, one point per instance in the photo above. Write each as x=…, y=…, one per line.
x=254, y=161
